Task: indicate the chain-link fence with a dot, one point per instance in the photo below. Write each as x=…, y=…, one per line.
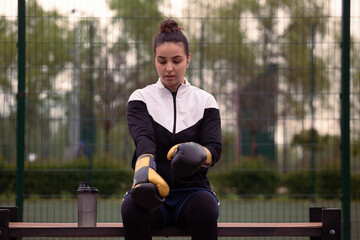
x=273, y=66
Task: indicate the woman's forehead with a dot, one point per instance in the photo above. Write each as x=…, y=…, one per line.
x=171, y=49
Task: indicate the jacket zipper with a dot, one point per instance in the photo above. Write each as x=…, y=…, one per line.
x=174, y=127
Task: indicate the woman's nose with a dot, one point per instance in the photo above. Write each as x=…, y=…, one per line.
x=169, y=67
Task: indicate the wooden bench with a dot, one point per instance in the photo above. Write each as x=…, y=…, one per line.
x=323, y=224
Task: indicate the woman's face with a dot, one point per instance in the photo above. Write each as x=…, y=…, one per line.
x=171, y=63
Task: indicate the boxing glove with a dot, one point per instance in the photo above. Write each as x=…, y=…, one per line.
x=187, y=158
x=149, y=189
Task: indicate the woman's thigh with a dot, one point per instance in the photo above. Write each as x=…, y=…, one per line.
x=139, y=219
x=201, y=209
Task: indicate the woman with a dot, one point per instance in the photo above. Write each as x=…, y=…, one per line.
x=176, y=129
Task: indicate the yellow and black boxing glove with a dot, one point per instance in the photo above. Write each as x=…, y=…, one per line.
x=187, y=158
x=149, y=189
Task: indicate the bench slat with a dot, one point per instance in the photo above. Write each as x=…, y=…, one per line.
x=270, y=229
x=33, y=229
x=326, y=225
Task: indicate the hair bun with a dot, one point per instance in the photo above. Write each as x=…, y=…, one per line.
x=169, y=26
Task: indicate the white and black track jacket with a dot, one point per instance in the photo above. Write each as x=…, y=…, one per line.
x=159, y=119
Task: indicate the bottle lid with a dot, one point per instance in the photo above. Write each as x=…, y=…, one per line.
x=84, y=187
x=83, y=184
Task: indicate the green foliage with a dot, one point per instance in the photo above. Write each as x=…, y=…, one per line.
x=247, y=53
x=309, y=138
x=355, y=186
x=228, y=150
x=249, y=177
x=47, y=183
x=327, y=183
x=141, y=31
x=44, y=59
x=252, y=178
x=297, y=182
x=306, y=139
x=7, y=140
x=324, y=150
x=48, y=39
x=355, y=147
x=110, y=176
x=8, y=51
x=254, y=181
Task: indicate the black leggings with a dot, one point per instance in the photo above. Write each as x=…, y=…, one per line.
x=199, y=215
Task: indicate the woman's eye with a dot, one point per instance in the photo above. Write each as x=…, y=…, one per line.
x=162, y=62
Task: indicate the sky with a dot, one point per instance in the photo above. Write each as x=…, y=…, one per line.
x=98, y=8
x=94, y=8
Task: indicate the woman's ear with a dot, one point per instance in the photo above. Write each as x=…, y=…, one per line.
x=188, y=60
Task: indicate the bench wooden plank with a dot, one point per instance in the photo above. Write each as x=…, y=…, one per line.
x=324, y=224
x=120, y=225
x=270, y=229
x=33, y=229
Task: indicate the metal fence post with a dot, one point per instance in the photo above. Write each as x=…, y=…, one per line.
x=345, y=118
x=20, y=120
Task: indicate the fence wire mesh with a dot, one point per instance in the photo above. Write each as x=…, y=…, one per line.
x=273, y=66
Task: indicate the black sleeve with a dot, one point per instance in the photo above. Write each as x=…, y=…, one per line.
x=211, y=133
x=141, y=129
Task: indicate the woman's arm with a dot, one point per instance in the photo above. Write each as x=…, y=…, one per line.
x=211, y=133
x=141, y=128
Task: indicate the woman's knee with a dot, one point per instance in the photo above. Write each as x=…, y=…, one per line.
x=134, y=215
x=130, y=212
x=201, y=207
x=199, y=215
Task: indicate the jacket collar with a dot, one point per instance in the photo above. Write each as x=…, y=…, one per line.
x=182, y=87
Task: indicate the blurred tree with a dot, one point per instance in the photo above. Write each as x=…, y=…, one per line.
x=87, y=110
x=310, y=140
x=8, y=53
x=257, y=107
x=138, y=32
x=306, y=139
x=250, y=36
x=128, y=62
x=355, y=96
x=44, y=61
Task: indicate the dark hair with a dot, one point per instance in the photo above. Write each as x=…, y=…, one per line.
x=170, y=32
